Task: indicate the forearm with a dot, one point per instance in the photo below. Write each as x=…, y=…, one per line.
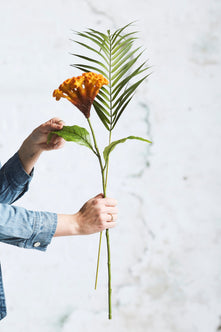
x=29, y=154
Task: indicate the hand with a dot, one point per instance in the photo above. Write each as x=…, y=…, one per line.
x=36, y=143
x=96, y=215
x=38, y=137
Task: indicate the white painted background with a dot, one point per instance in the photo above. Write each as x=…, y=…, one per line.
x=166, y=257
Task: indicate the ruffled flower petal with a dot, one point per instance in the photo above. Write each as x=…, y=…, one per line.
x=81, y=91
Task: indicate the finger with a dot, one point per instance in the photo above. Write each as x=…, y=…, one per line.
x=59, y=144
x=111, y=217
x=110, y=201
x=110, y=209
x=53, y=124
x=110, y=225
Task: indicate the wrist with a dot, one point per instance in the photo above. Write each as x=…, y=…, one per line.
x=67, y=225
x=75, y=224
x=29, y=154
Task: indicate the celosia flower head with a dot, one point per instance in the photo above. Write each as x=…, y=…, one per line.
x=81, y=90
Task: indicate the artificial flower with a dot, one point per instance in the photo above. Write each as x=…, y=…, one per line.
x=81, y=90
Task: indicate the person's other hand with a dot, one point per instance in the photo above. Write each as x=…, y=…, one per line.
x=36, y=143
x=39, y=136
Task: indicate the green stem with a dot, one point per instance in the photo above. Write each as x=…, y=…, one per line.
x=98, y=155
x=104, y=192
x=107, y=167
x=109, y=275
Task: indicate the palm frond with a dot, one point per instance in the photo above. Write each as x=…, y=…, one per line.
x=113, y=56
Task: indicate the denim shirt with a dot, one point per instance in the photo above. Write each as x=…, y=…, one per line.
x=18, y=226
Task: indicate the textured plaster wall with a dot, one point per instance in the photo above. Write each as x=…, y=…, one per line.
x=166, y=269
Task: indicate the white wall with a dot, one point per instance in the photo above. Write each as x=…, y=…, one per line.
x=166, y=248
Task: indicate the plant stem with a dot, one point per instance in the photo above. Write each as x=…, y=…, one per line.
x=104, y=192
x=104, y=184
x=109, y=275
x=98, y=260
x=98, y=155
x=106, y=176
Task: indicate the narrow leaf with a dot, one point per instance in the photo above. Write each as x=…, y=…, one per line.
x=122, y=54
x=124, y=82
x=128, y=92
x=118, y=31
x=120, y=111
x=101, y=46
x=91, y=49
x=124, y=58
x=101, y=115
x=104, y=95
x=105, y=37
x=90, y=60
x=101, y=108
x=112, y=146
x=122, y=45
x=88, y=68
x=122, y=71
x=104, y=103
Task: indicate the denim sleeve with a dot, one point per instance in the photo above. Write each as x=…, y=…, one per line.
x=14, y=181
x=26, y=229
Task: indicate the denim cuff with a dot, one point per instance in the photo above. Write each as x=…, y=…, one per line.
x=15, y=172
x=45, y=225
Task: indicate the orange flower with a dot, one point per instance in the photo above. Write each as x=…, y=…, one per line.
x=81, y=90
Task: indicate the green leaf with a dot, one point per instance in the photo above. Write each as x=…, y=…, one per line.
x=101, y=45
x=87, y=68
x=121, y=46
x=124, y=58
x=121, y=111
x=118, y=31
x=104, y=95
x=75, y=134
x=121, y=55
x=103, y=102
x=124, y=82
x=91, y=49
x=90, y=60
x=102, y=35
x=112, y=146
x=100, y=113
x=123, y=70
x=127, y=93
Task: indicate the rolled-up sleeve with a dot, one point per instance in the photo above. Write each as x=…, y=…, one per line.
x=26, y=229
x=14, y=181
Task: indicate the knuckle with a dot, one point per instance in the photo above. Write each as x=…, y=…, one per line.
x=100, y=218
x=94, y=201
x=98, y=210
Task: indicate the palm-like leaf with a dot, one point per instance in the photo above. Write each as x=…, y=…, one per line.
x=113, y=56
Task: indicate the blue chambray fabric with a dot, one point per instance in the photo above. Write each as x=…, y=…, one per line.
x=18, y=226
